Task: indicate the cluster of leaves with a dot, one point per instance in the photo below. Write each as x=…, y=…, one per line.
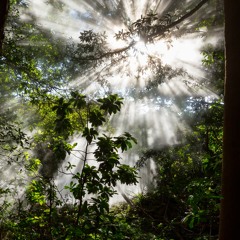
x=91, y=45
x=213, y=61
x=145, y=27
x=33, y=61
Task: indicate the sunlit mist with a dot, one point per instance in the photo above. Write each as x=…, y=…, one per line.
x=149, y=112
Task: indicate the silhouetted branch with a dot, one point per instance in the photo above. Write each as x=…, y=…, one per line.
x=148, y=32
x=108, y=54
x=180, y=20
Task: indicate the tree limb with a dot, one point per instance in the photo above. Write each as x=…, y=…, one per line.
x=175, y=23
x=108, y=54
x=151, y=36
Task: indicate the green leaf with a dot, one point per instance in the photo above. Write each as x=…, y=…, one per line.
x=78, y=100
x=96, y=118
x=89, y=134
x=111, y=104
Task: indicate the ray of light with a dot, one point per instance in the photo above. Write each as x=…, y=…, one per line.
x=153, y=121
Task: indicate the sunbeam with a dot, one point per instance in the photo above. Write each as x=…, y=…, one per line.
x=149, y=72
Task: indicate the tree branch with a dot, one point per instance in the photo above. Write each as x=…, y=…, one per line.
x=109, y=54
x=175, y=23
x=153, y=35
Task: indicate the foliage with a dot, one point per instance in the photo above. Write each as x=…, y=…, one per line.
x=47, y=216
x=146, y=27
x=35, y=67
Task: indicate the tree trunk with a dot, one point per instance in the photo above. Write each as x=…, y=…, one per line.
x=230, y=205
x=4, y=6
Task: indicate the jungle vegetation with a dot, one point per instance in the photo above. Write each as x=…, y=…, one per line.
x=43, y=119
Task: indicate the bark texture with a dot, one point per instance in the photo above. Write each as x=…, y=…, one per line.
x=230, y=205
x=4, y=7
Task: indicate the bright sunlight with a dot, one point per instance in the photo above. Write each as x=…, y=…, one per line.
x=131, y=70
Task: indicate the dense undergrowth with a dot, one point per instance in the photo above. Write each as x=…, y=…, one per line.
x=183, y=205
x=184, y=202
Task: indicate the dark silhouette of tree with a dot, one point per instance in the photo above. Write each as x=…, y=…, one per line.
x=4, y=7
x=230, y=207
x=147, y=28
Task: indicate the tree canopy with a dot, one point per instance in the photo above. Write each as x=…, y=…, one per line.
x=128, y=107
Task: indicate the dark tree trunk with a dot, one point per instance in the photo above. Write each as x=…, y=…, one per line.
x=4, y=6
x=230, y=205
